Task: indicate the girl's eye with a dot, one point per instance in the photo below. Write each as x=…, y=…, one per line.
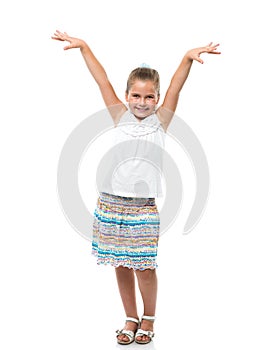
x=135, y=95
x=150, y=97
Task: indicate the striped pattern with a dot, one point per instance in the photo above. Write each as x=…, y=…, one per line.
x=126, y=231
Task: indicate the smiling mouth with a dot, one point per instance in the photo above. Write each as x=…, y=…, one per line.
x=142, y=109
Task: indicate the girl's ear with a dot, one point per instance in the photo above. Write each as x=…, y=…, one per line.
x=126, y=96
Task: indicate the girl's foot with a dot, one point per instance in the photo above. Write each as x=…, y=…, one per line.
x=147, y=328
x=126, y=335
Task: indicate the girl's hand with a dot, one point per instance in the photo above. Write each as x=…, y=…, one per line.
x=194, y=54
x=74, y=42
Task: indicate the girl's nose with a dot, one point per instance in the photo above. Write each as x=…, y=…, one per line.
x=142, y=101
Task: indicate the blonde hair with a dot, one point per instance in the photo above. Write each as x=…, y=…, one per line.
x=144, y=73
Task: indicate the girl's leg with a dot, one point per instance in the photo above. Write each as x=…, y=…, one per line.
x=126, y=284
x=147, y=281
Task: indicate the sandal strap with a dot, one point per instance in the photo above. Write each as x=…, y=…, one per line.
x=141, y=332
x=148, y=318
x=130, y=334
x=132, y=319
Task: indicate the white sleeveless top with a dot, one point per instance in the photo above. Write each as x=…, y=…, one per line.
x=135, y=167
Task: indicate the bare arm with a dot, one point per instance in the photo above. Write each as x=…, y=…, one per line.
x=166, y=111
x=97, y=71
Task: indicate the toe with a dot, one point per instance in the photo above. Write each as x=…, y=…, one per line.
x=124, y=338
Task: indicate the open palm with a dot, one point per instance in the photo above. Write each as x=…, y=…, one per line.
x=194, y=54
x=73, y=42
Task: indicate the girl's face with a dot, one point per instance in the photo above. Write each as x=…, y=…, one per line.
x=142, y=98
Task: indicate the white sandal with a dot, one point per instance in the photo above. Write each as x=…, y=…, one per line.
x=129, y=334
x=140, y=332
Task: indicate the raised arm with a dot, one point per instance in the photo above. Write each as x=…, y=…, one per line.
x=166, y=111
x=110, y=98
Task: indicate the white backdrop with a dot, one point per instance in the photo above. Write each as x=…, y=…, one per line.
x=212, y=282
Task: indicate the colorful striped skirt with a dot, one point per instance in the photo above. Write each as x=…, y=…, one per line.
x=126, y=231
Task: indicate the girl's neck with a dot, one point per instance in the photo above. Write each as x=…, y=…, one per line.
x=139, y=118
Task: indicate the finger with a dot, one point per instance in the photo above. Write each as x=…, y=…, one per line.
x=210, y=46
x=213, y=49
x=57, y=39
x=54, y=38
x=68, y=47
x=198, y=59
x=58, y=33
x=215, y=46
x=61, y=36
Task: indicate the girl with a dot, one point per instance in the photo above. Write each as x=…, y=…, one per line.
x=126, y=225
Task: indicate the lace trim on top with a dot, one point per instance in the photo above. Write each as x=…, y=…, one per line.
x=130, y=126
